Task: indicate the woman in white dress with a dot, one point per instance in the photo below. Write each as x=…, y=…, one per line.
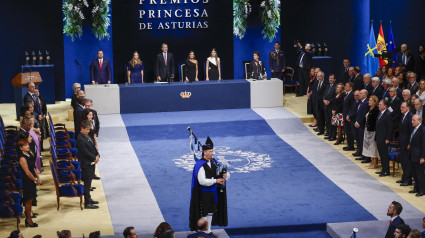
x=213, y=70
x=370, y=148
x=421, y=91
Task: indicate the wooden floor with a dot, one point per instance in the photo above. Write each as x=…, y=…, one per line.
x=298, y=105
x=70, y=216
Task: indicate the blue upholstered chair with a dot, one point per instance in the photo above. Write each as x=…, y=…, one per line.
x=68, y=189
x=289, y=81
x=393, y=153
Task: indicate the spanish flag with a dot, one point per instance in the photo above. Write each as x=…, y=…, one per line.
x=381, y=46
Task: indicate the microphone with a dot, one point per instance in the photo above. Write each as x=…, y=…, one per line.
x=77, y=62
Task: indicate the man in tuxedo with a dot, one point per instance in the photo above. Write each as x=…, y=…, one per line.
x=77, y=114
x=394, y=103
x=328, y=97
x=360, y=121
x=367, y=83
x=394, y=211
x=321, y=87
x=88, y=157
x=358, y=79
x=401, y=56
x=377, y=89
x=383, y=133
x=344, y=75
x=31, y=96
x=405, y=127
x=416, y=148
x=413, y=85
x=350, y=103
x=305, y=62
x=164, y=65
x=277, y=61
x=386, y=84
x=420, y=65
x=100, y=70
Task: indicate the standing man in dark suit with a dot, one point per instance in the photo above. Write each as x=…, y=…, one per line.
x=394, y=103
x=164, y=65
x=413, y=85
x=420, y=65
x=321, y=87
x=401, y=56
x=350, y=101
x=410, y=66
x=394, y=211
x=405, y=127
x=100, y=70
x=384, y=128
x=416, y=148
x=277, y=61
x=351, y=75
x=386, y=84
x=367, y=83
x=88, y=157
x=328, y=97
x=358, y=79
x=377, y=89
x=89, y=104
x=344, y=75
x=31, y=96
x=77, y=114
x=305, y=62
x=360, y=121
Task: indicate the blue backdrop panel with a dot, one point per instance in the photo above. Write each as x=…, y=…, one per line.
x=205, y=95
x=47, y=87
x=289, y=192
x=325, y=63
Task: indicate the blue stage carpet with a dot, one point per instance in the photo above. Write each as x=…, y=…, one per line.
x=271, y=184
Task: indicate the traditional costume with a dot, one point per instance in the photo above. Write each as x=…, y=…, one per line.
x=207, y=199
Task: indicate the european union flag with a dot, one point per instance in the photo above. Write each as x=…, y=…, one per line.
x=391, y=45
x=371, y=63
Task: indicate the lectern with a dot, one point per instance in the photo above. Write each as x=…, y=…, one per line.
x=20, y=82
x=22, y=79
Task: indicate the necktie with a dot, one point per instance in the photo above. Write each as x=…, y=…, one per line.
x=379, y=116
x=365, y=85
x=301, y=60
x=330, y=87
x=403, y=118
x=413, y=133
x=411, y=85
x=404, y=59
x=165, y=58
x=100, y=63
x=319, y=86
x=346, y=95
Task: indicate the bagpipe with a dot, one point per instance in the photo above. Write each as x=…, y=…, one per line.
x=195, y=147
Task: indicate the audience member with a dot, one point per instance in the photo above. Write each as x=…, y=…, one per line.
x=394, y=103
x=358, y=79
x=321, y=86
x=377, y=89
x=44, y=127
x=345, y=75
x=338, y=118
x=202, y=230
x=421, y=91
x=406, y=96
x=16, y=234
x=410, y=66
x=360, y=121
x=384, y=128
x=311, y=98
x=420, y=65
x=395, y=83
x=351, y=75
x=328, y=98
x=88, y=157
x=64, y=234
x=378, y=73
x=74, y=99
x=367, y=83
x=129, y=232
x=405, y=127
x=417, y=155
x=77, y=114
x=402, y=231
x=163, y=230
x=370, y=149
x=351, y=102
x=394, y=211
x=415, y=233
x=418, y=107
x=95, y=234
x=386, y=84
x=412, y=84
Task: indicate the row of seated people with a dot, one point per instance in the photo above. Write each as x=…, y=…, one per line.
x=164, y=230
x=383, y=119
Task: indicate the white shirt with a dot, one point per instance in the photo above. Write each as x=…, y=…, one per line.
x=101, y=61
x=212, y=60
x=206, y=181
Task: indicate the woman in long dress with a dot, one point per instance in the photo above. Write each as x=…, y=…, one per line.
x=191, y=68
x=370, y=148
x=310, y=105
x=213, y=69
x=135, y=69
